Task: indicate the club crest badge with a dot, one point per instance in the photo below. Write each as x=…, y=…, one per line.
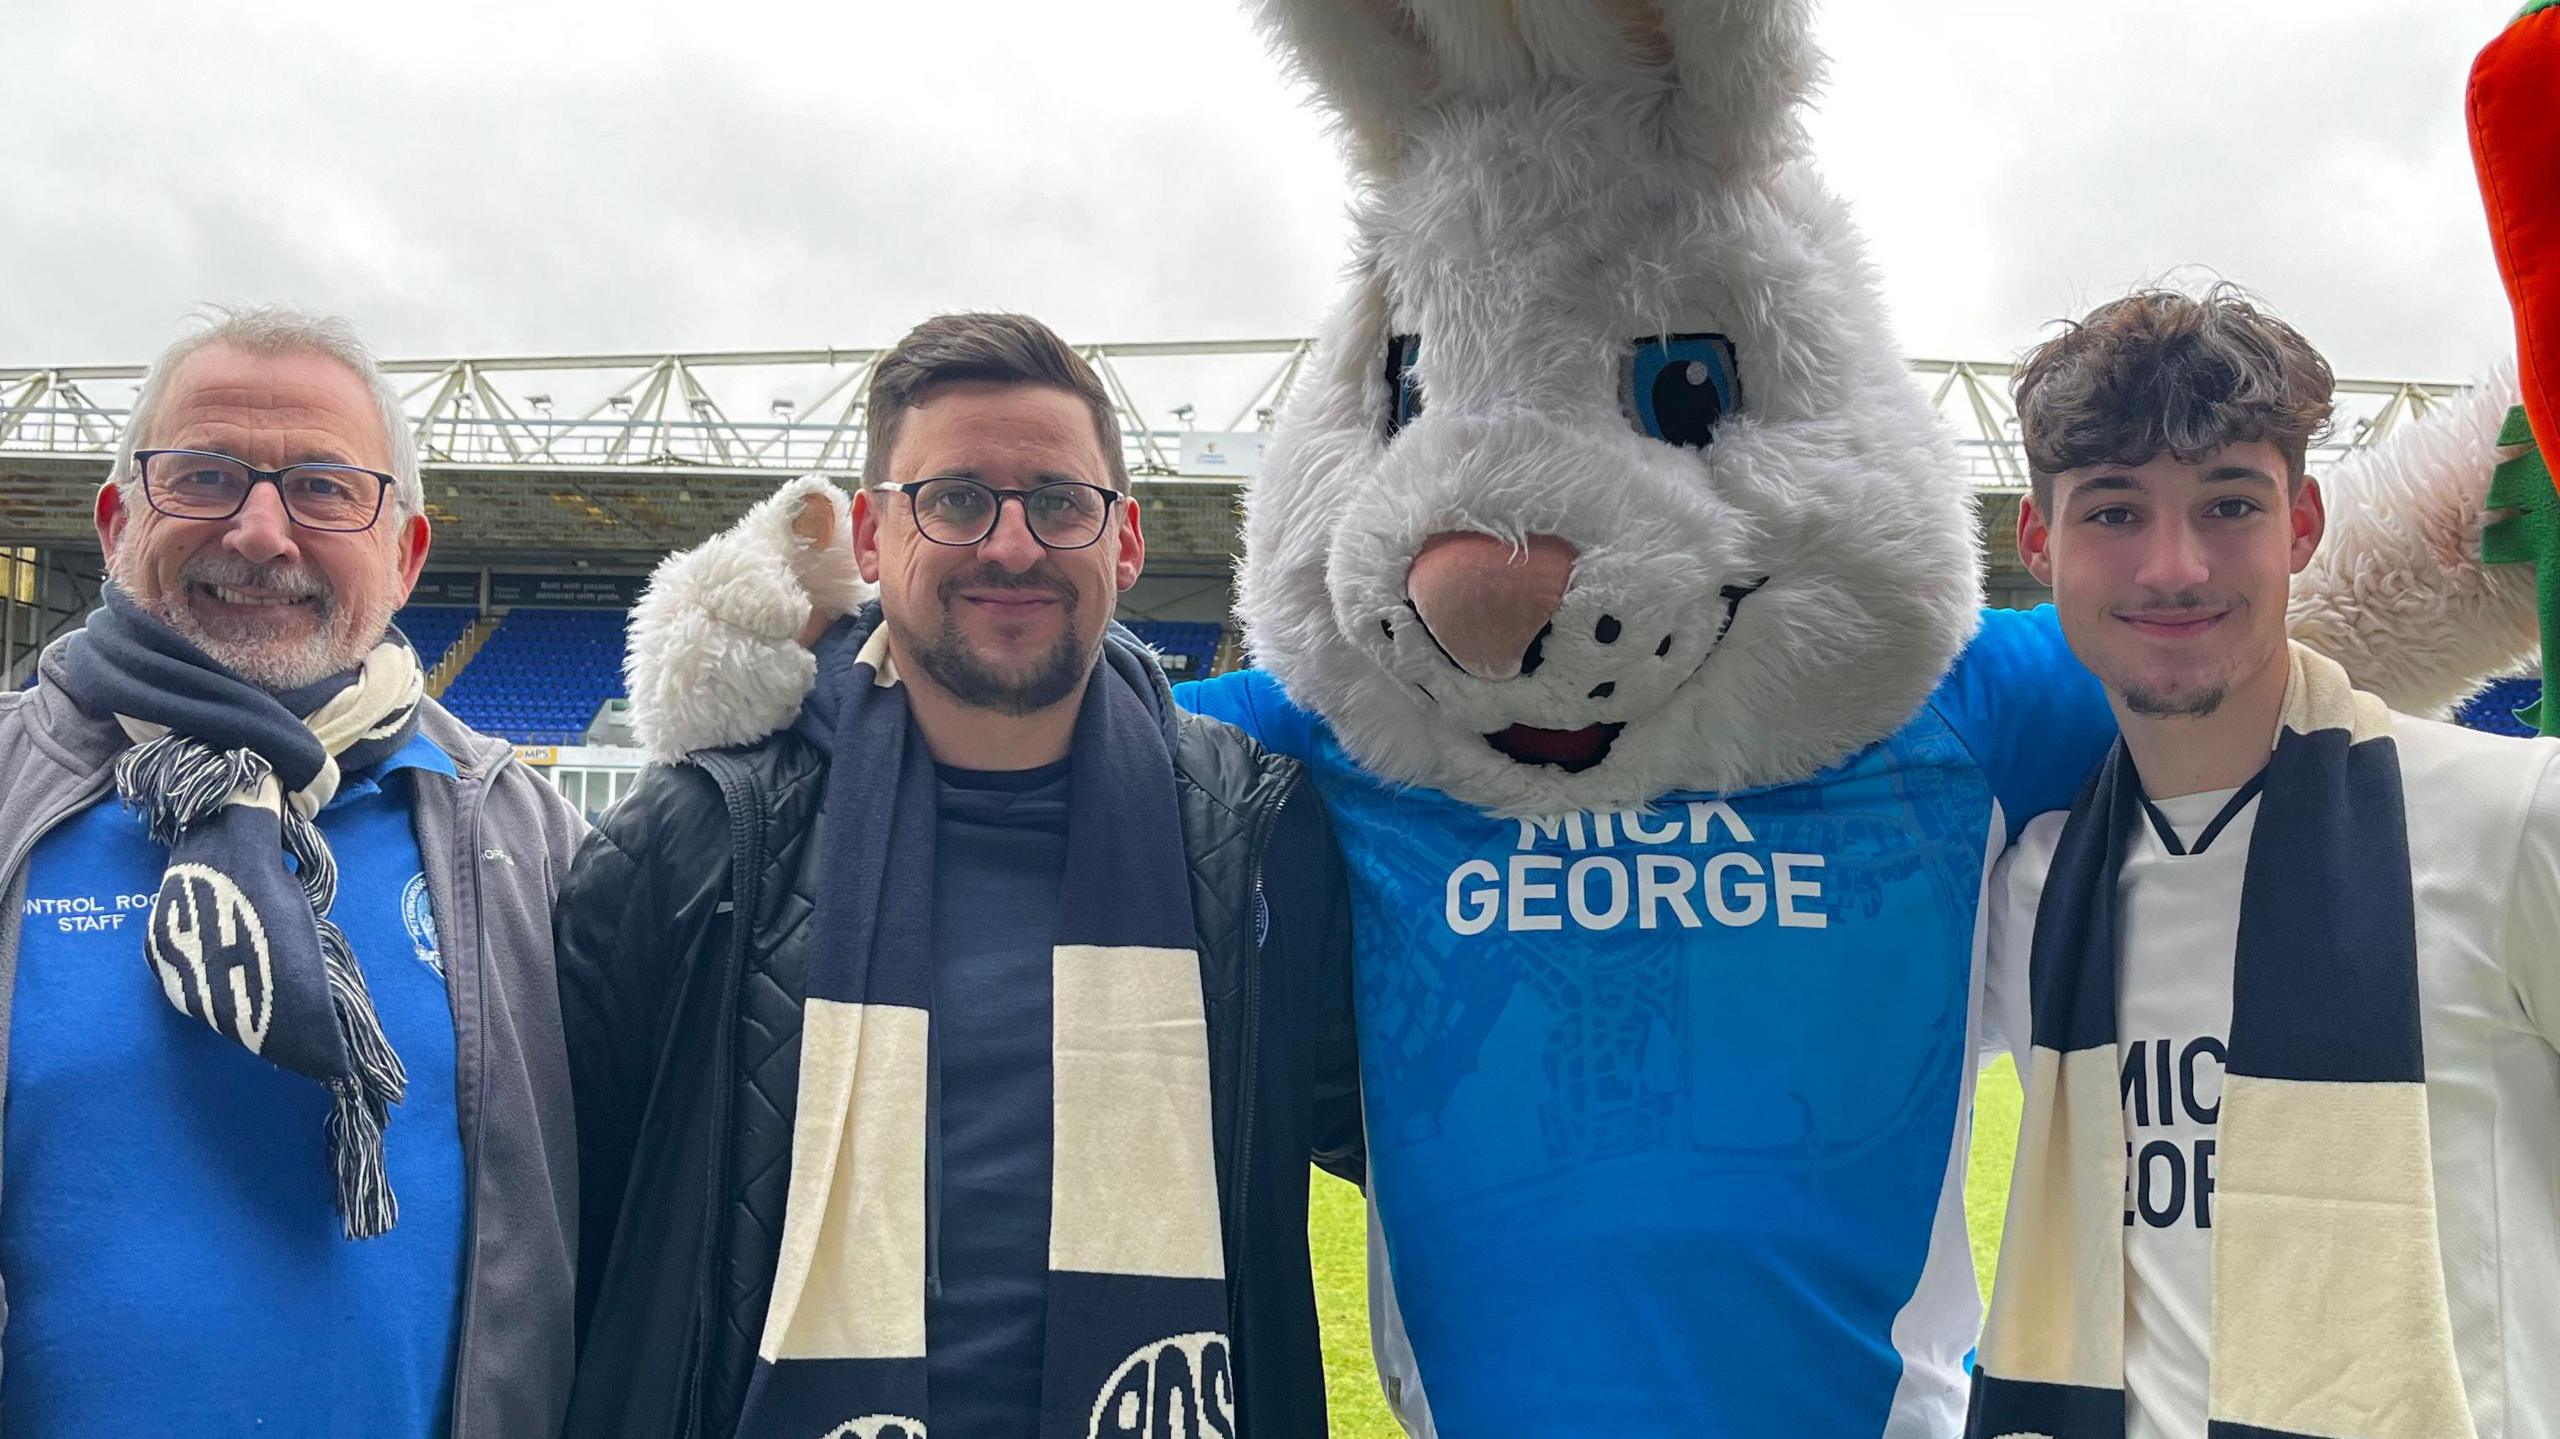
x=418, y=913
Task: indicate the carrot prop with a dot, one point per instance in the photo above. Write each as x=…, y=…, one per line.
x=2514, y=111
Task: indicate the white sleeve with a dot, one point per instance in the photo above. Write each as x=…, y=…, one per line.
x=2533, y=904
x=2017, y=886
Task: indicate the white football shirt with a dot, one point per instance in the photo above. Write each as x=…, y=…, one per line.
x=2484, y=847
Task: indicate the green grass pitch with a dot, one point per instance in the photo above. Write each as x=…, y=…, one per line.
x=1337, y=1235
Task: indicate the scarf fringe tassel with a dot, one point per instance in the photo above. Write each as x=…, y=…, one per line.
x=176, y=782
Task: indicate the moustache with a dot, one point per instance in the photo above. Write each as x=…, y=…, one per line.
x=2183, y=604
x=233, y=572
x=993, y=577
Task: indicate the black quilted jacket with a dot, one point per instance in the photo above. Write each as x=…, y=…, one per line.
x=683, y=947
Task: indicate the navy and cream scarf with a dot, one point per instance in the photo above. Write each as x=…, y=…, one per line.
x=2329, y=1313
x=1137, y=1280
x=228, y=776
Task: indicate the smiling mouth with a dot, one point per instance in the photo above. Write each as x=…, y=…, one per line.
x=2173, y=626
x=1007, y=606
x=1570, y=750
x=246, y=599
x=1576, y=750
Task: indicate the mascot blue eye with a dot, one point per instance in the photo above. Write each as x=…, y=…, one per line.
x=1404, y=387
x=1680, y=387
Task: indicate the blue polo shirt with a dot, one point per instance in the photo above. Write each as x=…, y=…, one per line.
x=173, y=1261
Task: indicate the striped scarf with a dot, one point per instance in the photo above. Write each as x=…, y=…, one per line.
x=2329, y=1313
x=228, y=776
x=1137, y=1279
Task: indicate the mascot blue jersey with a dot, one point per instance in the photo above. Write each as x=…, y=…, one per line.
x=1668, y=1108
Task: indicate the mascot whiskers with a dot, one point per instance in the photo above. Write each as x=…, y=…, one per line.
x=1620, y=591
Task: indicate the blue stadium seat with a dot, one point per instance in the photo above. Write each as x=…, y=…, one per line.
x=1188, y=646
x=542, y=675
x=433, y=629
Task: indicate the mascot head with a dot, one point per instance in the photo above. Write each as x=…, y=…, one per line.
x=1607, y=478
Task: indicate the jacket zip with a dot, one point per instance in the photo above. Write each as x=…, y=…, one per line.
x=1250, y=1040
x=743, y=794
x=471, y=1221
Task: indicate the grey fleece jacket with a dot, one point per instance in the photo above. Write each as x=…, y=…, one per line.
x=496, y=841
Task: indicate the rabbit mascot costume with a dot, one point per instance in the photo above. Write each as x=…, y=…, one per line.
x=1619, y=589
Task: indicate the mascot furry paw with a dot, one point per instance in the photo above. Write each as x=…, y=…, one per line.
x=1619, y=591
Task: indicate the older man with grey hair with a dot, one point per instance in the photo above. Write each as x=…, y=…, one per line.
x=364, y=1223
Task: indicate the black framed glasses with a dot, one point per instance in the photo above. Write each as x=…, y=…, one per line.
x=202, y=485
x=1062, y=515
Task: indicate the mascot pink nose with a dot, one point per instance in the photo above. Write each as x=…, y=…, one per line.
x=1483, y=600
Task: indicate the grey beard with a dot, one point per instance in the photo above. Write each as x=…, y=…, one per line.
x=269, y=666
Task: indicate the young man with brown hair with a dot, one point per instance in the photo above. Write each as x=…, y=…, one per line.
x=2284, y=984
x=954, y=1055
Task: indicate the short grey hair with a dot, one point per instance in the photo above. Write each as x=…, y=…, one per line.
x=273, y=330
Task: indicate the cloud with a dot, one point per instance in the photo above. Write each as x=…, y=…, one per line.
x=2316, y=155
x=753, y=191
x=491, y=178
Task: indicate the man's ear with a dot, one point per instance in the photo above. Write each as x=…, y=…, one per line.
x=2035, y=541
x=1133, y=545
x=2309, y=514
x=866, y=533
x=410, y=555
x=111, y=516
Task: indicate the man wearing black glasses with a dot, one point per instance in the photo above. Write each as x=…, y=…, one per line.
x=950, y=1051
x=232, y=821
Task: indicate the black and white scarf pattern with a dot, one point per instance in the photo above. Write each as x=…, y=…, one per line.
x=1137, y=1279
x=228, y=776
x=2329, y=1310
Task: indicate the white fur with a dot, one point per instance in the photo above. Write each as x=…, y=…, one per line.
x=1530, y=221
x=1724, y=80
x=2397, y=593
x=716, y=655
x=1542, y=182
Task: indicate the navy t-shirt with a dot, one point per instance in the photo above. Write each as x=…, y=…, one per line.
x=174, y=1263
x=1000, y=853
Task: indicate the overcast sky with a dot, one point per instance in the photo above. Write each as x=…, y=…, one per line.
x=513, y=176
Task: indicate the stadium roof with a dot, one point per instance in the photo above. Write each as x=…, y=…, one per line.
x=617, y=459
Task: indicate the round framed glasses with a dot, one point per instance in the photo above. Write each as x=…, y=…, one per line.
x=1062, y=515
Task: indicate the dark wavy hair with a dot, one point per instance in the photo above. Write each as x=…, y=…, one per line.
x=987, y=348
x=2160, y=372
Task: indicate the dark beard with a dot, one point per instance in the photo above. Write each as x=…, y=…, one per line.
x=2159, y=706
x=2154, y=705
x=950, y=662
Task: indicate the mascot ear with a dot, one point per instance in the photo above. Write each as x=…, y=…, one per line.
x=1746, y=70
x=1729, y=74
x=1367, y=63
